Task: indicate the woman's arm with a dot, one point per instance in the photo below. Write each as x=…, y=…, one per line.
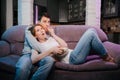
x=31, y=40
x=36, y=56
x=57, y=38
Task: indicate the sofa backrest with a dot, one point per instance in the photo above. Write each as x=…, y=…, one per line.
x=72, y=33
x=15, y=37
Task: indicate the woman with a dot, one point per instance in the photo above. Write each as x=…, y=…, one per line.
x=30, y=57
x=58, y=47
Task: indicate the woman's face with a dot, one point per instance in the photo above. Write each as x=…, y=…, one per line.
x=40, y=33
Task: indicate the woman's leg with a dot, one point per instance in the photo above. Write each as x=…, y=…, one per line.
x=89, y=40
x=45, y=66
x=23, y=67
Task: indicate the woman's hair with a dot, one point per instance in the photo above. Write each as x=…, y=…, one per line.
x=32, y=29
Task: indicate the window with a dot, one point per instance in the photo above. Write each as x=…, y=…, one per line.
x=76, y=10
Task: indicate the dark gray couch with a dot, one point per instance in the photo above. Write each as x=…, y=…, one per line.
x=11, y=45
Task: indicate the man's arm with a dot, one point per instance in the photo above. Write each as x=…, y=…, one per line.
x=31, y=40
x=57, y=38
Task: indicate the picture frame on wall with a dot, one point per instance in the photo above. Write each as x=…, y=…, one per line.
x=110, y=8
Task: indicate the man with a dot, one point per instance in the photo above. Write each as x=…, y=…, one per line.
x=30, y=57
x=44, y=19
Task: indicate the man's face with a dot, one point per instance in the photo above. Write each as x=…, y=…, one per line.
x=45, y=21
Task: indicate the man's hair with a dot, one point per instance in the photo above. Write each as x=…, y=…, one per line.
x=44, y=14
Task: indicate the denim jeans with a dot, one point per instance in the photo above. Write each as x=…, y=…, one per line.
x=24, y=66
x=89, y=40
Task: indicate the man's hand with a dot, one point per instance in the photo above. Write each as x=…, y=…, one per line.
x=57, y=50
x=51, y=31
x=44, y=27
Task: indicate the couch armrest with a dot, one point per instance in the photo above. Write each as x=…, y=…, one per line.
x=4, y=48
x=113, y=50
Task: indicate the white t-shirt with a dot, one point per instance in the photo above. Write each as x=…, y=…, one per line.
x=51, y=42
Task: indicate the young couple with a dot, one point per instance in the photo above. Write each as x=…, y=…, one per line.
x=43, y=47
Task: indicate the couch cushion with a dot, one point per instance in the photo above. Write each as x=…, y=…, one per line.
x=114, y=50
x=92, y=65
x=15, y=37
x=72, y=33
x=8, y=63
x=16, y=48
x=4, y=48
x=14, y=34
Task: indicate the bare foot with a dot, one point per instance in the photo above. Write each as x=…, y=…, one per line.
x=108, y=58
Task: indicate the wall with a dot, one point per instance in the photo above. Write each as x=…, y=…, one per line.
x=25, y=12
x=93, y=9
x=9, y=13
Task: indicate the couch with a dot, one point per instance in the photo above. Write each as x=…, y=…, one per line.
x=95, y=68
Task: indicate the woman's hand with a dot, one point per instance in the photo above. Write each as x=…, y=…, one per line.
x=34, y=56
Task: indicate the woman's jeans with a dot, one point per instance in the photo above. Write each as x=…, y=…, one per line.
x=24, y=67
x=89, y=40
